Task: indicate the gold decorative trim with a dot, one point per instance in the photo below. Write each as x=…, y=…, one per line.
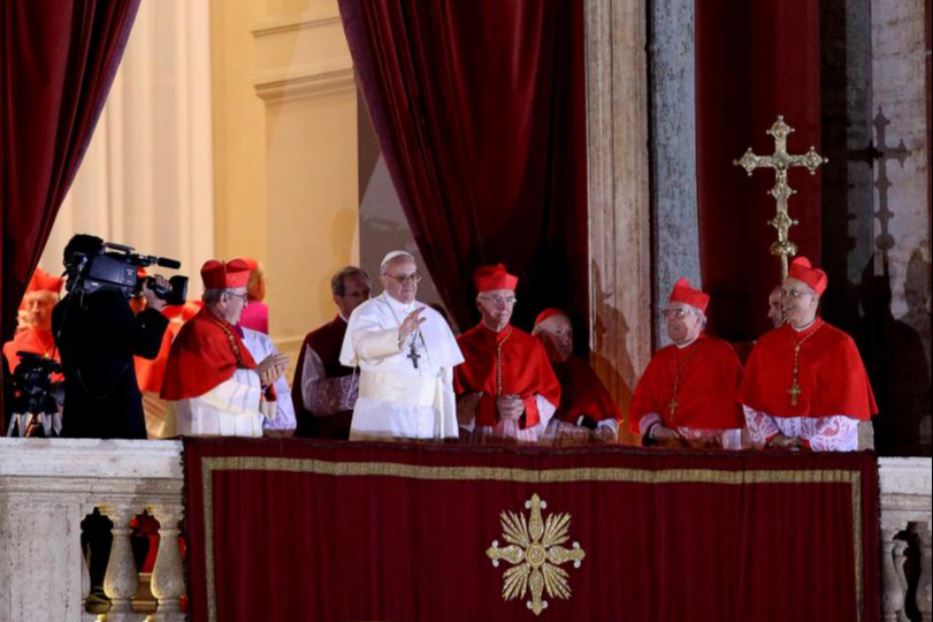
x=531, y=476
x=536, y=553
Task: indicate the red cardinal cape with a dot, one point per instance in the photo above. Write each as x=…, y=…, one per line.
x=582, y=393
x=830, y=375
x=31, y=339
x=205, y=353
x=505, y=363
x=709, y=378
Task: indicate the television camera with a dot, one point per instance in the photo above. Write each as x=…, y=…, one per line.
x=116, y=266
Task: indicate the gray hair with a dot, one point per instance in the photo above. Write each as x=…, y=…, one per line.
x=212, y=296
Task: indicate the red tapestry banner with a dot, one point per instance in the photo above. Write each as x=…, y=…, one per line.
x=302, y=530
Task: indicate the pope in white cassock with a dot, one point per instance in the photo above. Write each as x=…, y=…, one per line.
x=406, y=354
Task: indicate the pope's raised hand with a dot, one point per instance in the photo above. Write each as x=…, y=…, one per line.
x=411, y=323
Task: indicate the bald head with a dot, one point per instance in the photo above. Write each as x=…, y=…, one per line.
x=556, y=333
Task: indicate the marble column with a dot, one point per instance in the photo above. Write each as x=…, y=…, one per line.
x=675, y=244
x=122, y=579
x=618, y=191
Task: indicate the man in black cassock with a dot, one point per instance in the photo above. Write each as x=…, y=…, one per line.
x=97, y=336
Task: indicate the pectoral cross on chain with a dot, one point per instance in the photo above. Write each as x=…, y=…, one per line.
x=794, y=391
x=413, y=354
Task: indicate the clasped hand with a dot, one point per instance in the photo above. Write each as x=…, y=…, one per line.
x=510, y=407
x=785, y=442
x=663, y=433
x=272, y=368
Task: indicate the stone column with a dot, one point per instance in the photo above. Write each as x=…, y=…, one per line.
x=122, y=579
x=619, y=200
x=675, y=245
x=42, y=570
x=892, y=586
x=925, y=583
x=168, y=576
x=899, y=93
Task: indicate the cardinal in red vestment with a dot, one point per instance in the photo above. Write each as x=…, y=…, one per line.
x=586, y=412
x=687, y=395
x=215, y=385
x=805, y=384
x=35, y=331
x=506, y=388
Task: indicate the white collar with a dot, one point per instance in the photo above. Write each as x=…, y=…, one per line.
x=688, y=344
x=397, y=305
x=803, y=328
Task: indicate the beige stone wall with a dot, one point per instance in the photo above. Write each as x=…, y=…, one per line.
x=285, y=123
x=239, y=133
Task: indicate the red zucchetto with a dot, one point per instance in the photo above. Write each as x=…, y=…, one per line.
x=42, y=281
x=225, y=274
x=488, y=278
x=548, y=314
x=685, y=293
x=801, y=269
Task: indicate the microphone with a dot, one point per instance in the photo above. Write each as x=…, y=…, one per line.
x=165, y=262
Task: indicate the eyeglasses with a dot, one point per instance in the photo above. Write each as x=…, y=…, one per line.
x=677, y=314
x=793, y=293
x=244, y=296
x=414, y=278
x=499, y=300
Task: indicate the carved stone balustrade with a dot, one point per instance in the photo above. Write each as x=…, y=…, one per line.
x=906, y=505
x=47, y=487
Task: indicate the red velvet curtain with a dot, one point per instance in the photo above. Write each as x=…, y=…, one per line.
x=298, y=530
x=754, y=61
x=57, y=63
x=479, y=109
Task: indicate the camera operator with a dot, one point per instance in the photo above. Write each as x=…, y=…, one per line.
x=97, y=336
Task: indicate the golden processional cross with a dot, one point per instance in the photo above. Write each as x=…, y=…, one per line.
x=781, y=162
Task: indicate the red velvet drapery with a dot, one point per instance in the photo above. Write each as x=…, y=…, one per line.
x=754, y=61
x=479, y=110
x=57, y=63
x=299, y=530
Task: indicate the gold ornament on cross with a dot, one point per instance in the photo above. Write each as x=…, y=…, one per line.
x=781, y=162
x=536, y=553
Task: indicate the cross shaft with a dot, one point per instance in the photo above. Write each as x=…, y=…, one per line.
x=781, y=161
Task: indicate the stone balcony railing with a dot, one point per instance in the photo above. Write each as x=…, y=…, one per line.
x=47, y=488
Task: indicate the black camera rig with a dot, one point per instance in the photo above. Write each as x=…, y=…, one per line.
x=36, y=397
x=94, y=265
